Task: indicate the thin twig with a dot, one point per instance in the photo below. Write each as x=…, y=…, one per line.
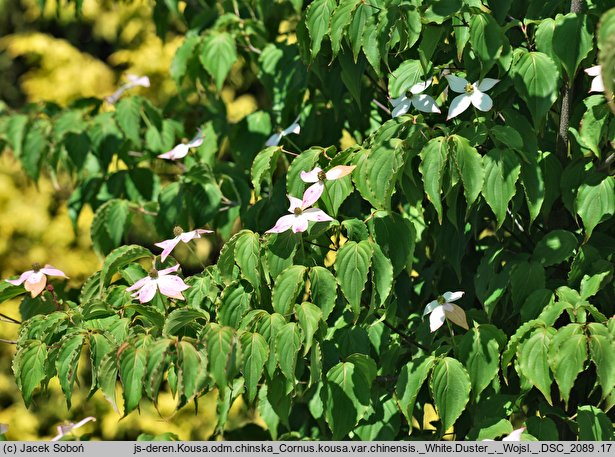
x=381, y=106
x=10, y=319
x=333, y=248
x=8, y=341
x=403, y=335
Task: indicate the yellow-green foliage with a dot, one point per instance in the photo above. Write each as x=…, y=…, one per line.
x=61, y=73
x=35, y=227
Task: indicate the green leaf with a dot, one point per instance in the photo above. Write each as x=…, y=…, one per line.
x=317, y=20
x=479, y=351
x=543, y=428
x=222, y=351
x=602, y=353
x=288, y=345
x=433, y=162
x=567, y=356
x=377, y=172
x=502, y=170
x=594, y=424
x=382, y=274
x=8, y=291
x=118, y=259
x=133, y=362
x=107, y=378
x=526, y=277
x=533, y=360
x=15, y=132
x=356, y=230
x=181, y=318
x=110, y=221
x=335, y=193
x=233, y=304
x=405, y=76
x=487, y=40
x=191, y=372
x=340, y=19
x=263, y=167
x=543, y=37
x=100, y=346
x=280, y=253
x=34, y=149
x=288, y=285
x=491, y=279
x=396, y=236
x=410, y=381
x=323, y=289
x=157, y=363
x=347, y=390
x=536, y=79
x=555, y=247
x=533, y=183
x=595, y=201
x=370, y=43
x=128, y=117
x=450, y=388
x=467, y=163
x=247, y=257
x=255, y=353
x=29, y=368
x=572, y=41
x=183, y=55
x=269, y=327
x=352, y=265
x=309, y=316
x=218, y=54
x=357, y=28
x=67, y=362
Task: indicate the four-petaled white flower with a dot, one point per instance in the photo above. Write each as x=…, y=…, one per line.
x=133, y=81
x=300, y=217
x=169, y=285
x=275, y=139
x=422, y=102
x=36, y=279
x=181, y=150
x=471, y=94
x=180, y=235
x=442, y=309
x=597, y=83
x=318, y=177
x=68, y=428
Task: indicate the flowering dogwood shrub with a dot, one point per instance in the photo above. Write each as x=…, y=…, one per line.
x=334, y=322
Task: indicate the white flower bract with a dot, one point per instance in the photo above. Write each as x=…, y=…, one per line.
x=275, y=139
x=443, y=308
x=471, y=94
x=422, y=102
x=597, y=83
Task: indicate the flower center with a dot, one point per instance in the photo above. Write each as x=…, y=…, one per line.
x=36, y=267
x=469, y=88
x=153, y=274
x=298, y=211
x=322, y=176
x=177, y=230
x=441, y=300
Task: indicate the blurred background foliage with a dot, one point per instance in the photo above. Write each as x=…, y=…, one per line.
x=53, y=55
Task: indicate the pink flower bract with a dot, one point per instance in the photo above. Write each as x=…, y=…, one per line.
x=181, y=150
x=168, y=284
x=34, y=280
x=169, y=245
x=318, y=177
x=299, y=217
